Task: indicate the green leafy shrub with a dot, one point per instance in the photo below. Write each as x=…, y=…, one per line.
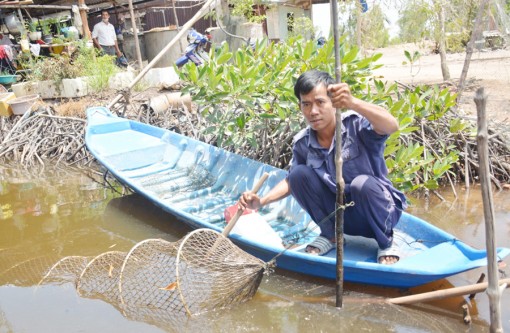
x=457, y=42
x=414, y=163
x=83, y=62
x=246, y=97
x=98, y=69
x=53, y=68
x=246, y=93
x=245, y=8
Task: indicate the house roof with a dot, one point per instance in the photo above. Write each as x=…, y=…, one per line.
x=100, y=4
x=52, y=6
x=36, y=10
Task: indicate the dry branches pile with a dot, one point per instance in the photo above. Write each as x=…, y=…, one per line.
x=499, y=155
x=41, y=137
x=55, y=135
x=437, y=138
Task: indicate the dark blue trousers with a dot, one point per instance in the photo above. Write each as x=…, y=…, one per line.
x=373, y=215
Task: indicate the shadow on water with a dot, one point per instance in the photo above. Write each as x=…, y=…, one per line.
x=63, y=215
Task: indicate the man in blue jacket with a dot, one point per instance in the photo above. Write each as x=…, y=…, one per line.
x=312, y=175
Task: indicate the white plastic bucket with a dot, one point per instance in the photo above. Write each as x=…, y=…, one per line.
x=20, y=105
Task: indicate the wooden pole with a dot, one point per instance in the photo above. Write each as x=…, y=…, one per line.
x=488, y=209
x=84, y=19
x=161, y=53
x=445, y=293
x=339, y=213
x=24, y=30
x=135, y=34
x=177, y=24
x=23, y=25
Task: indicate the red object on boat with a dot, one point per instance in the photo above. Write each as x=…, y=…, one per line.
x=232, y=210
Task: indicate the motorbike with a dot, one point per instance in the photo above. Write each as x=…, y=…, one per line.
x=321, y=41
x=195, y=51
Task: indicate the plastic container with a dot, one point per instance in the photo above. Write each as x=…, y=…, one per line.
x=6, y=79
x=34, y=35
x=20, y=105
x=5, y=108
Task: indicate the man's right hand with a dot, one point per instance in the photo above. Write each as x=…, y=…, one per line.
x=249, y=200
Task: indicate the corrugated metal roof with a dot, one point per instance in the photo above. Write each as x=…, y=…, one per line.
x=150, y=13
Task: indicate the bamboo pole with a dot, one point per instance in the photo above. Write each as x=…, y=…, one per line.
x=185, y=28
x=339, y=213
x=445, y=293
x=135, y=34
x=488, y=209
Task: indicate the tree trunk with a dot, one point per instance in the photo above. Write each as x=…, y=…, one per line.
x=469, y=50
x=442, y=45
x=358, y=25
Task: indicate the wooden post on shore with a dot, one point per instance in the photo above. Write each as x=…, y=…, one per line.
x=493, y=290
x=176, y=18
x=161, y=53
x=135, y=34
x=84, y=19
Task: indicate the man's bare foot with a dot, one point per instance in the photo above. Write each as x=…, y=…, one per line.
x=389, y=255
x=388, y=260
x=312, y=250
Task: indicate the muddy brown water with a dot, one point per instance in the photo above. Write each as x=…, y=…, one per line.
x=55, y=214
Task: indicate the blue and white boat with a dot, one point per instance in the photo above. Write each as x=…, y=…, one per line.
x=196, y=182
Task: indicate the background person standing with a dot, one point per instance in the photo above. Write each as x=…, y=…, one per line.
x=104, y=36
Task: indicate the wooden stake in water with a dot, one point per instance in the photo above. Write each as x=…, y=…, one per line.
x=339, y=215
x=493, y=290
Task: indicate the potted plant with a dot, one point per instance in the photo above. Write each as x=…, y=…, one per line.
x=33, y=34
x=46, y=31
x=58, y=45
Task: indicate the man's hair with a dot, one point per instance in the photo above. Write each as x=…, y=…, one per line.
x=309, y=80
x=105, y=11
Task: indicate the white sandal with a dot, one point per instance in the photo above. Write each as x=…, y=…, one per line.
x=321, y=243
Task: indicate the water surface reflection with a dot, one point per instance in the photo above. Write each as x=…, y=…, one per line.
x=47, y=216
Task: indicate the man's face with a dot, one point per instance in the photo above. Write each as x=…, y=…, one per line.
x=105, y=17
x=318, y=109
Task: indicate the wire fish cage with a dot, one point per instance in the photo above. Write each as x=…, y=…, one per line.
x=156, y=278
